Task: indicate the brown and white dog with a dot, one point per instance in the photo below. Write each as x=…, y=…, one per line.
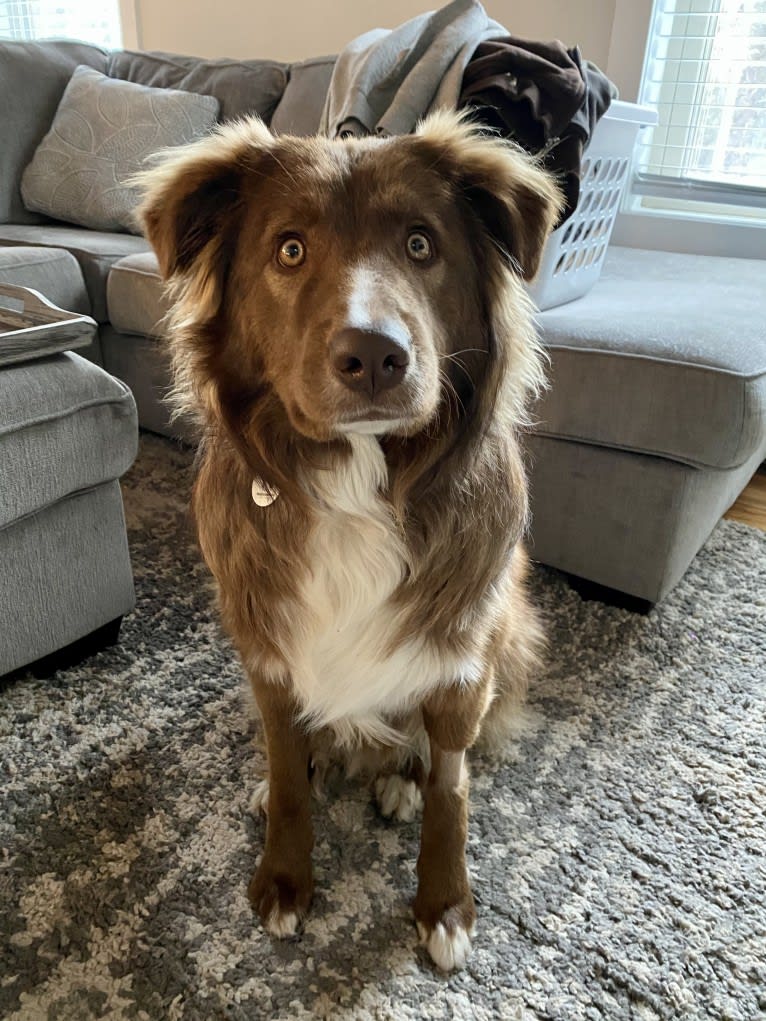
x=349, y=325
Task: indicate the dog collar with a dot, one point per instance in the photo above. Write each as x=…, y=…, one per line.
x=263, y=494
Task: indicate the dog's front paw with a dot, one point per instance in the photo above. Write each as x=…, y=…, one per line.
x=280, y=899
x=259, y=801
x=448, y=941
x=398, y=797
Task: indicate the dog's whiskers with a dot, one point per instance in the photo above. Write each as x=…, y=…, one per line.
x=464, y=351
x=283, y=189
x=450, y=386
x=284, y=169
x=463, y=369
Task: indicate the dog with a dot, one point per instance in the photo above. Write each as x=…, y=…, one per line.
x=349, y=326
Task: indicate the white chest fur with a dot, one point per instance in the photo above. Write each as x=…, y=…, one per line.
x=342, y=668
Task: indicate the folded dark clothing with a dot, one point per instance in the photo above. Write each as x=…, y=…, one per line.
x=542, y=96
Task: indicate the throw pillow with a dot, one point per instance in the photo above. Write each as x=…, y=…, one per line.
x=242, y=87
x=102, y=133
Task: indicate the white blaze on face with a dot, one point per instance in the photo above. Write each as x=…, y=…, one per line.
x=370, y=308
x=363, y=297
x=378, y=301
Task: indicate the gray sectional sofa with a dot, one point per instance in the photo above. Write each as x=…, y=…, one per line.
x=656, y=416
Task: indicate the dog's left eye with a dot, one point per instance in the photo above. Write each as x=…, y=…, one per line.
x=419, y=247
x=292, y=252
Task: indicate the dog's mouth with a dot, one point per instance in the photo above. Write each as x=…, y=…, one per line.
x=375, y=423
x=371, y=421
x=401, y=414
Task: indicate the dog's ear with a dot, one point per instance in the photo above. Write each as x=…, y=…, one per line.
x=186, y=208
x=516, y=201
x=190, y=202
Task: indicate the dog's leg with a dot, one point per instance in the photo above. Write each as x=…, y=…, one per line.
x=444, y=907
x=281, y=888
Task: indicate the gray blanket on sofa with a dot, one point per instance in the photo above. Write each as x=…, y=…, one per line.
x=385, y=80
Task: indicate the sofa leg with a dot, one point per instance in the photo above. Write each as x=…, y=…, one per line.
x=74, y=653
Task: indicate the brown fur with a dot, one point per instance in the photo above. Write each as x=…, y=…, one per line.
x=285, y=881
x=249, y=341
x=444, y=893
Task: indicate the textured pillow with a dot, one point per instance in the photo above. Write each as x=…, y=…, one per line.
x=102, y=133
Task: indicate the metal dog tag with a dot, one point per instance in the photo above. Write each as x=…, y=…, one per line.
x=263, y=494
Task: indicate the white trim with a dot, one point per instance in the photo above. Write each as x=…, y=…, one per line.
x=129, y=21
x=694, y=235
x=688, y=189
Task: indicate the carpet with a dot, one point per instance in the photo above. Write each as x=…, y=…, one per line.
x=618, y=857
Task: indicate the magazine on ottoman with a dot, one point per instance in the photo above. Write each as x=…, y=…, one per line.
x=32, y=327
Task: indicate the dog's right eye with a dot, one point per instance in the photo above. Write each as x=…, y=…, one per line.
x=419, y=247
x=292, y=253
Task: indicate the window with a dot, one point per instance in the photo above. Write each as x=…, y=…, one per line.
x=93, y=21
x=705, y=72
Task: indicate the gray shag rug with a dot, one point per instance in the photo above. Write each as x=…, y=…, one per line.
x=619, y=858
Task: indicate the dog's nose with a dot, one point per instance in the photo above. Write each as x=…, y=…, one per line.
x=368, y=361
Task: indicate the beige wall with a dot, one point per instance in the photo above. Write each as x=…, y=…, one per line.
x=295, y=29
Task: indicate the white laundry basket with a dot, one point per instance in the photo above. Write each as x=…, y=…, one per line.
x=575, y=253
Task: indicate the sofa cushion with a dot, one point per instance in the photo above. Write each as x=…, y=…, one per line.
x=241, y=87
x=102, y=134
x=135, y=296
x=61, y=411
x=627, y=370
x=95, y=251
x=53, y=272
x=33, y=77
x=300, y=108
x=666, y=355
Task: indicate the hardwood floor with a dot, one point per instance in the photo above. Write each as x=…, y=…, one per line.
x=750, y=508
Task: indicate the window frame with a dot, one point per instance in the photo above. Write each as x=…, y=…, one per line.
x=715, y=231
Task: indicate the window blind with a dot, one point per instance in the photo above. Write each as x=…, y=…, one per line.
x=705, y=72
x=93, y=21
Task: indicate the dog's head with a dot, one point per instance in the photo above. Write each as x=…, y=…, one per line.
x=366, y=285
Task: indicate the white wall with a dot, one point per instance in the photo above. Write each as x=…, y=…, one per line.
x=630, y=31
x=296, y=29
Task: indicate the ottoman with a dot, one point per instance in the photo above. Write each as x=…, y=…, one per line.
x=68, y=431
x=655, y=419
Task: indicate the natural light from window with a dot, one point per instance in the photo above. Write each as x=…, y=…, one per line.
x=706, y=74
x=92, y=21
x=729, y=143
